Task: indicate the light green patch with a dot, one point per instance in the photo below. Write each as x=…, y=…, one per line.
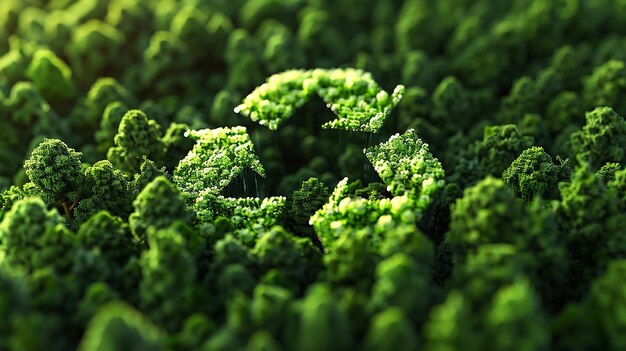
x=357, y=100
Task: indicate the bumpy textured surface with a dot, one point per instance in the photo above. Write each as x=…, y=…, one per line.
x=218, y=156
x=406, y=165
x=139, y=210
x=412, y=174
x=356, y=99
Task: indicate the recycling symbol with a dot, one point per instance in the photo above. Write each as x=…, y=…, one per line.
x=404, y=163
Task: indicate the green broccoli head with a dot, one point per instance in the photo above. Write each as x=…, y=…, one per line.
x=534, y=174
x=157, y=206
x=499, y=147
x=56, y=170
x=602, y=139
x=52, y=77
x=311, y=196
x=481, y=215
x=322, y=324
x=403, y=283
x=168, y=275
x=606, y=86
x=391, y=330
x=117, y=325
x=137, y=136
x=109, y=190
x=452, y=105
x=296, y=258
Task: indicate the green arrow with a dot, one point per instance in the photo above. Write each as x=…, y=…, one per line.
x=217, y=158
x=412, y=175
x=357, y=100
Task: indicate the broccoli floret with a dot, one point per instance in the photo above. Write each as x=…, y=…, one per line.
x=23, y=230
x=56, y=170
x=322, y=324
x=408, y=168
x=196, y=330
x=499, y=147
x=515, y=320
x=408, y=240
x=93, y=50
x=602, y=139
x=411, y=173
x=350, y=261
x=521, y=100
x=164, y=57
x=147, y=173
x=591, y=224
x=262, y=340
x=168, y=276
x=52, y=77
x=565, y=110
x=579, y=325
x=110, y=191
x=452, y=105
x=117, y=326
x=305, y=201
x=97, y=295
x=606, y=86
x=403, y=283
x=109, y=237
x=534, y=174
x=87, y=114
x=391, y=330
x=111, y=118
x=158, y=205
x=488, y=213
x=270, y=308
x=296, y=258
x=137, y=136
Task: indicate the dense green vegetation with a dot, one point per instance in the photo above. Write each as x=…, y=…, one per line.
x=312, y=175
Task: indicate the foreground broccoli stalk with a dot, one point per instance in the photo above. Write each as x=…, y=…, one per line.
x=22, y=230
x=488, y=213
x=591, y=222
x=118, y=325
x=356, y=99
x=56, y=170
